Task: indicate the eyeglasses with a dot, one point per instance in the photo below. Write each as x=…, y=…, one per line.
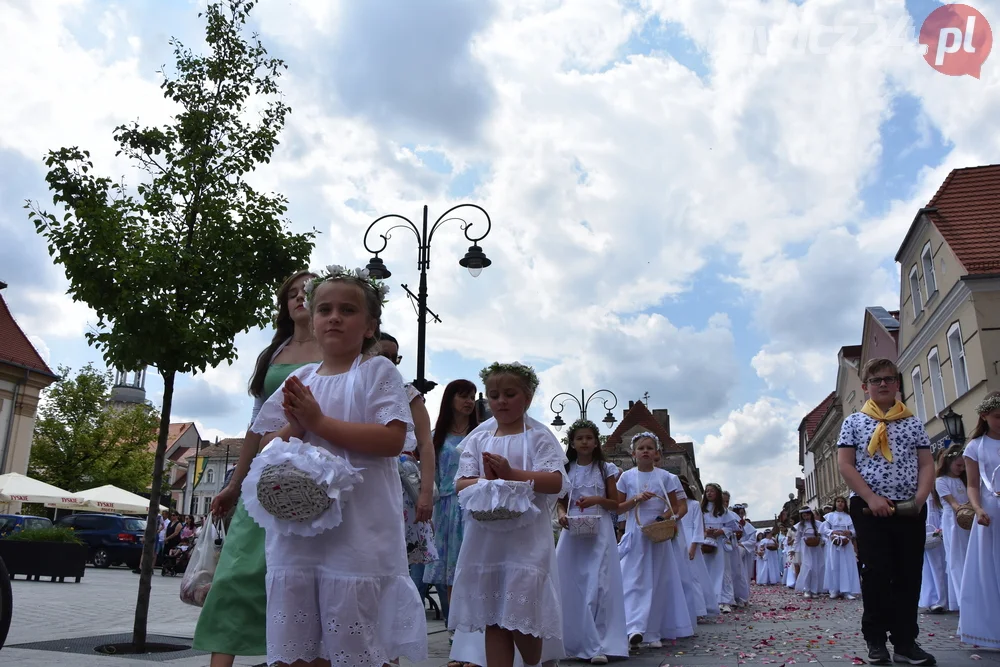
x=891, y=379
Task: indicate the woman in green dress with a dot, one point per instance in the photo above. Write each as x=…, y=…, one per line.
x=232, y=621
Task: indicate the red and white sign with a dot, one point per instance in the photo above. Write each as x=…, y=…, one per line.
x=958, y=40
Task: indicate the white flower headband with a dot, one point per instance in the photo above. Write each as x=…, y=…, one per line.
x=359, y=275
x=645, y=434
x=989, y=404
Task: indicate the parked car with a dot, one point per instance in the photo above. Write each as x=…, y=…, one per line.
x=113, y=539
x=14, y=523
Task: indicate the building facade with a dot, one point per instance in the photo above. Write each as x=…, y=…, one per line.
x=213, y=462
x=23, y=376
x=949, y=335
x=677, y=457
x=809, y=443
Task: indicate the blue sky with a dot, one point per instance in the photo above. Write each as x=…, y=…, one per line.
x=672, y=213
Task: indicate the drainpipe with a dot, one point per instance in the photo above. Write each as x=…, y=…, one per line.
x=10, y=423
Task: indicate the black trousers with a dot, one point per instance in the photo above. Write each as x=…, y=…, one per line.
x=891, y=552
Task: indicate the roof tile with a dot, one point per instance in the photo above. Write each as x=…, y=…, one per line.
x=15, y=346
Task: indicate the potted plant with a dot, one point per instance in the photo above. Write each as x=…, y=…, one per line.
x=54, y=552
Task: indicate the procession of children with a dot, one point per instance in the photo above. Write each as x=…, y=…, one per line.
x=359, y=505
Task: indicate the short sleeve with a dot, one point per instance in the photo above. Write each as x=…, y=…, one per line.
x=411, y=392
x=941, y=486
x=610, y=470
x=271, y=415
x=623, y=484
x=972, y=450
x=697, y=524
x=920, y=437
x=672, y=483
x=470, y=461
x=848, y=434
x=387, y=400
x=548, y=455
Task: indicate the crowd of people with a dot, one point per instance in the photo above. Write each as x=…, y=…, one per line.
x=469, y=509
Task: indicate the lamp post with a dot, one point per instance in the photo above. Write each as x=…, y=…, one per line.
x=953, y=426
x=582, y=403
x=475, y=261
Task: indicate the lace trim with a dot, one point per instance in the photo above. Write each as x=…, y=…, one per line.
x=271, y=425
x=395, y=412
x=307, y=651
x=467, y=468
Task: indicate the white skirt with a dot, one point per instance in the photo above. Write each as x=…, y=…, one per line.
x=769, y=568
x=841, y=571
x=655, y=605
x=934, y=581
x=810, y=579
x=715, y=563
x=956, y=544
x=593, y=599
x=980, y=603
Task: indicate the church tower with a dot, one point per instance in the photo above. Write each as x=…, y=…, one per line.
x=129, y=388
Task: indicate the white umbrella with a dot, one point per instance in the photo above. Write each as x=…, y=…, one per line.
x=17, y=488
x=108, y=498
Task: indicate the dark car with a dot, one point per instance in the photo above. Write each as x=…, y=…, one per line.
x=113, y=539
x=15, y=523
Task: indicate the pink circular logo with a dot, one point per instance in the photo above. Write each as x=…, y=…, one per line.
x=958, y=40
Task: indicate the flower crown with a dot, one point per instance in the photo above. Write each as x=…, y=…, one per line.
x=645, y=434
x=989, y=404
x=515, y=368
x=360, y=276
x=583, y=423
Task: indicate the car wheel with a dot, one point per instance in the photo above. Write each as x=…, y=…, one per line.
x=102, y=559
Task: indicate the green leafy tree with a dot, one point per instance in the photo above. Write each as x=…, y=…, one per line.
x=80, y=442
x=178, y=265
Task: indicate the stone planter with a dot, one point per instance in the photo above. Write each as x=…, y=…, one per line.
x=57, y=560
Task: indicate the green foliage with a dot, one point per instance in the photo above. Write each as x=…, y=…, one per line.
x=48, y=534
x=80, y=442
x=178, y=265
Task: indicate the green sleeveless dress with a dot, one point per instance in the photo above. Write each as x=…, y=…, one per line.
x=233, y=619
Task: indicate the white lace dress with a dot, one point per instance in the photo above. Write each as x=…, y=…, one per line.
x=506, y=577
x=346, y=595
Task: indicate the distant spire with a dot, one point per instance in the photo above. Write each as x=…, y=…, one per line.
x=129, y=388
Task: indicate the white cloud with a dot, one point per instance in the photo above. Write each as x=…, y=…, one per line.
x=42, y=348
x=51, y=315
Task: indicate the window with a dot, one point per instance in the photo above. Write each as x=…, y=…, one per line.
x=918, y=394
x=927, y=261
x=958, y=365
x=915, y=292
x=937, y=383
x=210, y=476
x=208, y=505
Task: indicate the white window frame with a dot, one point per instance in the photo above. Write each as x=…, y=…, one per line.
x=915, y=292
x=959, y=366
x=918, y=394
x=210, y=476
x=208, y=505
x=930, y=278
x=936, y=380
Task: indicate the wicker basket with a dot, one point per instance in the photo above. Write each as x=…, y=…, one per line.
x=812, y=541
x=660, y=529
x=288, y=493
x=771, y=547
x=965, y=516
x=708, y=548
x=841, y=540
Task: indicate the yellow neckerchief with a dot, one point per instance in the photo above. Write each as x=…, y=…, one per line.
x=880, y=438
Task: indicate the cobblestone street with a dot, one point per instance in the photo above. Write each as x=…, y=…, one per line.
x=779, y=628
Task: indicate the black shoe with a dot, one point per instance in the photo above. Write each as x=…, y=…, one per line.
x=636, y=639
x=878, y=654
x=912, y=654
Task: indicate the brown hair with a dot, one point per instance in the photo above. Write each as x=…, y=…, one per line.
x=284, y=327
x=373, y=304
x=878, y=364
x=847, y=507
x=446, y=414
x=982, y=428
x=943, y=468
x=717, y=508
x=522, y=383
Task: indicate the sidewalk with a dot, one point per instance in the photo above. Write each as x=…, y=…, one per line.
x=779, y=628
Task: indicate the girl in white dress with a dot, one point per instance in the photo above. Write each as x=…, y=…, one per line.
x=950, y=487
x=810, y=578
x=769, y=572
x=934, y=579
x=715, y=518
x=791, y=558
x=693, y=525
x=590, y=576
x=343, y=595
x=980, y=602
x=655, y=605
x=505, y=582
x=841, y=572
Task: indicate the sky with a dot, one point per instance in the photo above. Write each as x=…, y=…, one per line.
x=691, y=198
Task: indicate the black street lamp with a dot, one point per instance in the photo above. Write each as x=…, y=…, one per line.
x=475, y=261
x=582, y=403
x=953, y=426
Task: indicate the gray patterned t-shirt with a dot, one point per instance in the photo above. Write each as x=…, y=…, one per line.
x=896, y=480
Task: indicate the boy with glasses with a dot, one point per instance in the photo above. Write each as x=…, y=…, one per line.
x=884, y=456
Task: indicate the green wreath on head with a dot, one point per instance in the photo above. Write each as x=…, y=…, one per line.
x=515, y=368
x=580, y=424
x=359, y=275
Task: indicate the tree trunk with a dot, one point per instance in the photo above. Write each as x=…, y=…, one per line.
x=149, y=545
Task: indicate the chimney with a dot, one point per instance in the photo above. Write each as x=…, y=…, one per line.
x=662, y=416
x=631, y=404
